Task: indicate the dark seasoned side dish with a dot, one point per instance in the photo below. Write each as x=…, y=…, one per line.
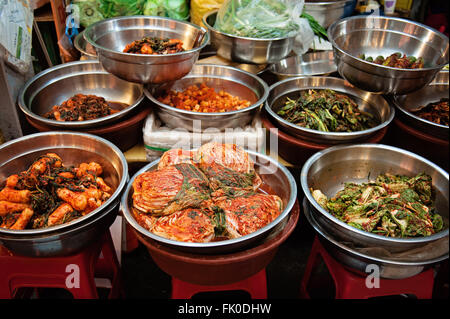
x=396, y=60
x=154, y=45
x=436, y=112
x=81, y=107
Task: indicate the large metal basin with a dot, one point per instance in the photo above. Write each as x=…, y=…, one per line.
x=291, y=87
x=329, y=169
x=57, y=84
x=433, y=92
x=273, y=174
x=359, y=261
x=231, y=80
x=109, y=37
x=74, y=148
x=378, y=35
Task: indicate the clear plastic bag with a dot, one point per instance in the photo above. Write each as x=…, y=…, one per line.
x=266, y=19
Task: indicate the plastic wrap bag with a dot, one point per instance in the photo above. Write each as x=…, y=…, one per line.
x=266, y=19
x=201, y=7
x=159, y=138
x=16, y=23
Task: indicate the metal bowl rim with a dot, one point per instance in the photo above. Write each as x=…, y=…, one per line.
x=211, y=28
x=73, y=124
x=323, y=212
x=114, y=196
x=381, y=67
x=271, y=67
x=286, y=211
x=417, y=118
x=146, y=56
x=186, y=112
x=329, y=134
x=76, y=44
x=309, y=216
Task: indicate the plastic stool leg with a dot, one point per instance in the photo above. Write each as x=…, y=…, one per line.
x=310, y=265
x=108, y=267
x=353, y=286
x=255, y=285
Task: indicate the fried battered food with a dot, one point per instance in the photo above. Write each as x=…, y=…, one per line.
x=154, y=46
x=245, y=215
x=48, y=193
x=170, y=189
x=81, y=107
x=188, y=225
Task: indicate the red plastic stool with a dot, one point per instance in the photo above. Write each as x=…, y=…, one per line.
x=99, y=260
x=255, y=285
x=352, y=286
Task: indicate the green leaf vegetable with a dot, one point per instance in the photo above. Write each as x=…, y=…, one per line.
x=393, y=206
x=92, y=11
x=317, y=28
x=176, y=9
x=262, y=19
x=256, y=19
x=327, y=111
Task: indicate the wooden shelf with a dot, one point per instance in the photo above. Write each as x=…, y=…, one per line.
x=44, y=13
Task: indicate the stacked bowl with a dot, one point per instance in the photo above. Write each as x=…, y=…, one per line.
x=403, y=90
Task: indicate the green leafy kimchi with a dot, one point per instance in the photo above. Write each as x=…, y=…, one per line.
x=392, y=205
x=327, y=111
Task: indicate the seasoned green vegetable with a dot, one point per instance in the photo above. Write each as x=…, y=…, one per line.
x=326, y=110
x=317, y=28
x=392, y=205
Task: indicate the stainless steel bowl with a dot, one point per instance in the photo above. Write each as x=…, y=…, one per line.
x=73, y=148
x=232, y=80
x=358, y=261
x=378, y=35
x=372, y=103
x=409, y=103
x=57, y=84
x=109, y=37
x=308, y=64
x=273, y=174
x=62, y=243
x=329, y=169
x=326, y=12
x=87, y=51
x=247, y=50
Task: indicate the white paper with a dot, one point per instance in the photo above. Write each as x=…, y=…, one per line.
x=16, y=23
